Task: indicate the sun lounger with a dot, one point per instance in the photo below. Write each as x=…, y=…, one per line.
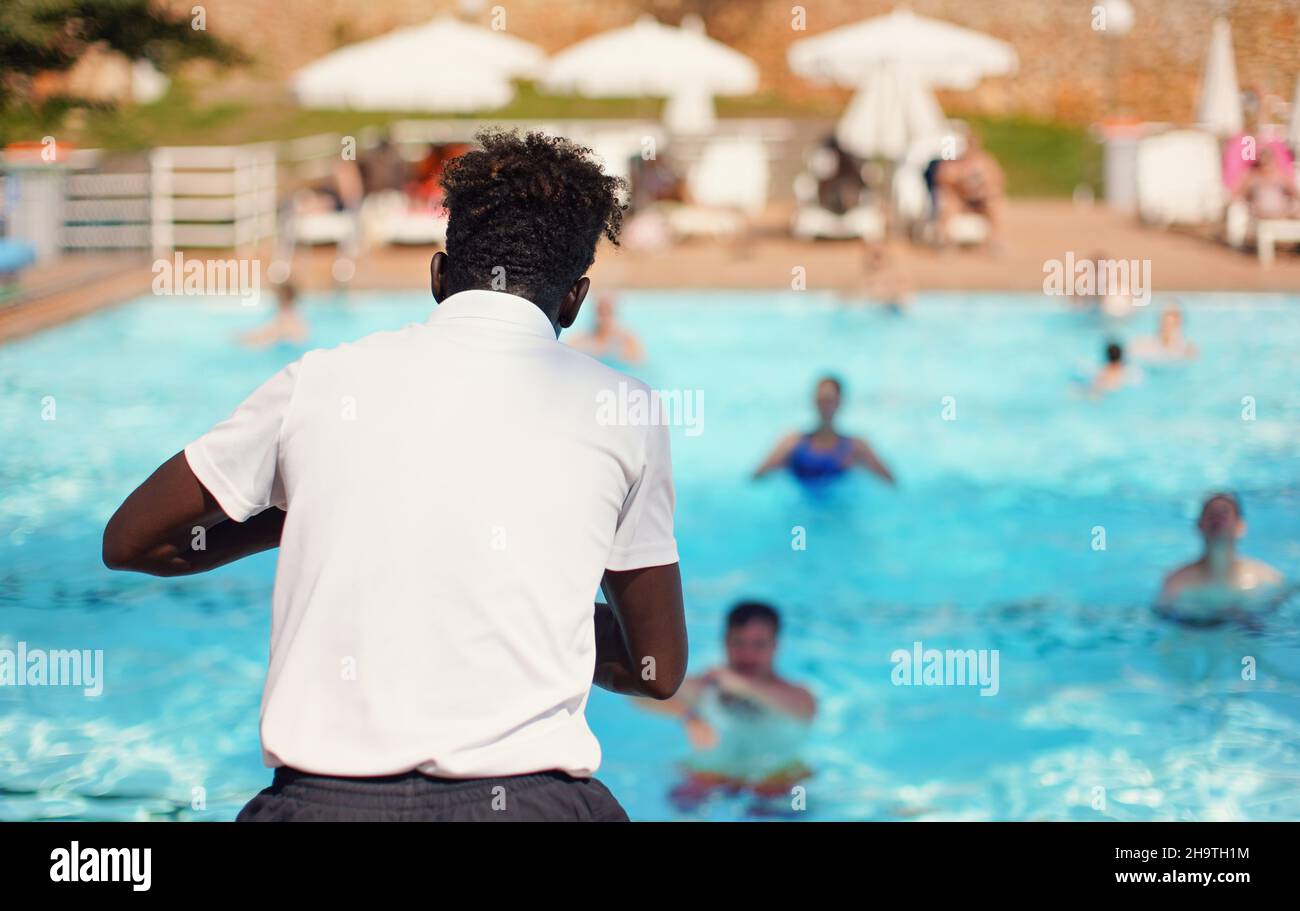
x=1241, y=226
x=968, y=229
x=387, y=217
x=728, y=185
x=812, y=221
x=317, y=228
x=1272, y=231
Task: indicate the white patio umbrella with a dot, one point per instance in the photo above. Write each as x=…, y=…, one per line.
x=939, y=54
x=889, y=114
x=442, y=65
x=650, y=59
x=1219, y=107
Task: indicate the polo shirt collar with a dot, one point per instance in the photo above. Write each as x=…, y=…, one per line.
x=507, y=310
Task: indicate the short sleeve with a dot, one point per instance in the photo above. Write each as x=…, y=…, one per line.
x=644, y=536
x=238, y=459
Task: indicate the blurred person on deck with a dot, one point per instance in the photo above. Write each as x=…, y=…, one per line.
x=972, y=183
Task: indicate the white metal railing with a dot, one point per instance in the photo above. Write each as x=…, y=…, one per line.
x=106, y=212
x=208, y=196
x=212, y=196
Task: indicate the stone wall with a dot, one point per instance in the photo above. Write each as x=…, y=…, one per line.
x=1067, y=69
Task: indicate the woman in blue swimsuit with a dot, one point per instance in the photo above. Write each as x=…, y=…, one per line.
x=820, y=456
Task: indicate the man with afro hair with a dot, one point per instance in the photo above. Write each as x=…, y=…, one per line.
x=446, y=499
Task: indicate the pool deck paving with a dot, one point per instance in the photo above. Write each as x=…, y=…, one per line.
x=1037, y=233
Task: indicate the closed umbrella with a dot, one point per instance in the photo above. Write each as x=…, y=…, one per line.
x=442, y=65
x=650, y=59
x=690, y=111
x=1219, y=107
x=891, y=112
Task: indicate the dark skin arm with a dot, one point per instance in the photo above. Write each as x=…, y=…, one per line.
x=644, y=619
x=153, y=531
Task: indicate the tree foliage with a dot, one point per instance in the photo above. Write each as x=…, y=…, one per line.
x=43, y=35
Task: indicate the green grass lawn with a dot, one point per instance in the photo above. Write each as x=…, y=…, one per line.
x=1040, y=158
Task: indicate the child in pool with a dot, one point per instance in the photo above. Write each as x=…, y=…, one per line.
x=1115, y=373
x=746, y=723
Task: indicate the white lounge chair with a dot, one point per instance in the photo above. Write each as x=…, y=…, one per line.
x=728, y=186
x=316, y=228
x=812, y=221
x=1241, y=226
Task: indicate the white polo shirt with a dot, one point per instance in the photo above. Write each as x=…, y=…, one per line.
x=453, y=498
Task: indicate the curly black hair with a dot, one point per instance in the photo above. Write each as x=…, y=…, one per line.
x=525, y=215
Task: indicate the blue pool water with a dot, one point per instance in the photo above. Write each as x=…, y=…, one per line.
x=986, y=544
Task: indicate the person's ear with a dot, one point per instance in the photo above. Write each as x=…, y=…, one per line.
x=438, y=276
x=572, y=302
x=1241, y=527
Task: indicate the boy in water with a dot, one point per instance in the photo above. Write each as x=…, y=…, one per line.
x=745, y=721
x=1114, y=374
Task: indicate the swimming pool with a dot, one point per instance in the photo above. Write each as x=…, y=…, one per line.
x=988, y=543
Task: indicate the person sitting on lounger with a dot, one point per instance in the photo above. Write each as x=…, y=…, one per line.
x=970, y=184
x=840, y=184
x=383, y=170
x=1269, y=189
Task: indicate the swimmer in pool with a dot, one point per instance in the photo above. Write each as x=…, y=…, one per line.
x=609, y=338
x=1221, y=581
x=1169, y=343
x=286, y=326
x=1114, y=373
x=823, y=454
x=746, y=723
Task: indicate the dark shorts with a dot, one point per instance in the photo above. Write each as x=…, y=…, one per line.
x=542, y=797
